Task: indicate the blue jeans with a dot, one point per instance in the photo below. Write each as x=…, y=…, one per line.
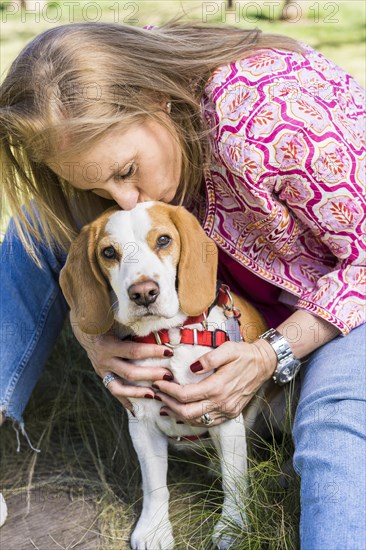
x=32, y=313
x=329, y=429
x=330, y=445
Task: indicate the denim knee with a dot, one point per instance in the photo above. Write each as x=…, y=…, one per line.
x=330, y=445
x=32, y=314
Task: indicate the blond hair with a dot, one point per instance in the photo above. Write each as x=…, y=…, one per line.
x=80, y=80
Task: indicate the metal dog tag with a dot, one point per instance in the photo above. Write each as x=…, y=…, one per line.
x=233, y=329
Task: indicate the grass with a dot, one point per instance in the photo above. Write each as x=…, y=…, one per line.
x=86, y=452
x=335, y=28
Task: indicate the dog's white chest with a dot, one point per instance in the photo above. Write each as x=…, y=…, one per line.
x=148, y=410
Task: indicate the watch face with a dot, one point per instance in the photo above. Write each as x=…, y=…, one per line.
x=288, y=372
x=287, y=366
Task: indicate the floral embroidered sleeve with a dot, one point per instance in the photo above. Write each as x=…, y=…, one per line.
x=320, y=180
x=294, y=138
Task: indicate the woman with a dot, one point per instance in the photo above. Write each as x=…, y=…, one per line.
x=261, y=137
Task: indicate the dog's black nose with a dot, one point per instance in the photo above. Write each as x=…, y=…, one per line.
x=144, y=294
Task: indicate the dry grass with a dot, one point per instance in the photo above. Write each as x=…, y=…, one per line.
x=86, y=453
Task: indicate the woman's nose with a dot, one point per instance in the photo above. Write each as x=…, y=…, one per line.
x=126, y=198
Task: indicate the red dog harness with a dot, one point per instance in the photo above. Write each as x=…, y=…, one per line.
x=210, y=338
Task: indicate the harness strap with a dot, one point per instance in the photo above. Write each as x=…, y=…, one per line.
x=208, y=338
x=160, y=337
x=212, y=339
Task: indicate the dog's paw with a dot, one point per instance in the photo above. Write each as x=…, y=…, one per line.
x=227, y=533
x=225, y=542
x=147, y=537
x=221, y=537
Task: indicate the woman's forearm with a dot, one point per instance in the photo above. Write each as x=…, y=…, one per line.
x=304, y=332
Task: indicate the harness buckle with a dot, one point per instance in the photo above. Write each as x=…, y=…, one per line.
x=157, y=337
x=230, y=310
x=160, y=343
x=221, y=333
x=171, y=346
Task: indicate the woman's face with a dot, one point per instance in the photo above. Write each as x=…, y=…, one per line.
x=141, y=164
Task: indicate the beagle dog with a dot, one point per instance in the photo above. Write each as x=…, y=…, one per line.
x=151, y=272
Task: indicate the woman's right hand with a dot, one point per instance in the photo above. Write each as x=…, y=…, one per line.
x=109, y=354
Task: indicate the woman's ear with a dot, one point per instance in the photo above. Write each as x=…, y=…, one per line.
x=197, y=269
x=84, y=285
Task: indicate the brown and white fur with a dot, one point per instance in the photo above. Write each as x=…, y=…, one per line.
x=98, y=291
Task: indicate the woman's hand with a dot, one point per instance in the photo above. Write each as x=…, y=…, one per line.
x=240, y=369
x=108, y=354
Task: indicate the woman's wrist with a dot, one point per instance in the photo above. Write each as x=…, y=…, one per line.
x=268, y=357
x=301, y=343
x=305, y=332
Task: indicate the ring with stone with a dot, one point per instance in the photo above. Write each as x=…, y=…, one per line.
x=206, y=419
x=108, y=378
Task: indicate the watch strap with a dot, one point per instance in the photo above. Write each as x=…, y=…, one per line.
x=287, y=364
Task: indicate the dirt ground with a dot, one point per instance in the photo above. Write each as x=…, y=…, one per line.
x=54, y=521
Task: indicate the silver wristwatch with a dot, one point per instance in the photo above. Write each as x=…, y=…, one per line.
x=287, y=366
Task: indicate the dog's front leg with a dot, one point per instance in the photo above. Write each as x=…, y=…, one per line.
x=153, y=529
x=230, y=443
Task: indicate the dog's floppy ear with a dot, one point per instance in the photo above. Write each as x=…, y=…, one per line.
x=197, y=267
x=84, y=286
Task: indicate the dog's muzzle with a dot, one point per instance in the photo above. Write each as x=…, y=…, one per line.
x=144, y=294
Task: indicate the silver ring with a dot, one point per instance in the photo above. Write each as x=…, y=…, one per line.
x=108, y=378
x=206, y=419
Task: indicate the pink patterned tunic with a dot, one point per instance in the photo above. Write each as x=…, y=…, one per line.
x=286, y=186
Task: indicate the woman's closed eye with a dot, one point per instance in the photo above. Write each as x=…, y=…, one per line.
x=124, y=175
x=127, y=174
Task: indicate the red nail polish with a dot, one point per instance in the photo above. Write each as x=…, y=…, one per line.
x=196, y=367
x=163, y=413
x=168, y=377
x=168, y=353
x=157, y=398
x=155, y=387
x=148, y=396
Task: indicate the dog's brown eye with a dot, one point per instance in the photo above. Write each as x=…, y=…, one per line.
x=163, y=241
x=110, y=253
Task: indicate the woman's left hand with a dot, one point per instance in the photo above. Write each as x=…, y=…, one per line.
x=239, y=369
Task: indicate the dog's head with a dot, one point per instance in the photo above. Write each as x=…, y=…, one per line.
x=154, y=261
